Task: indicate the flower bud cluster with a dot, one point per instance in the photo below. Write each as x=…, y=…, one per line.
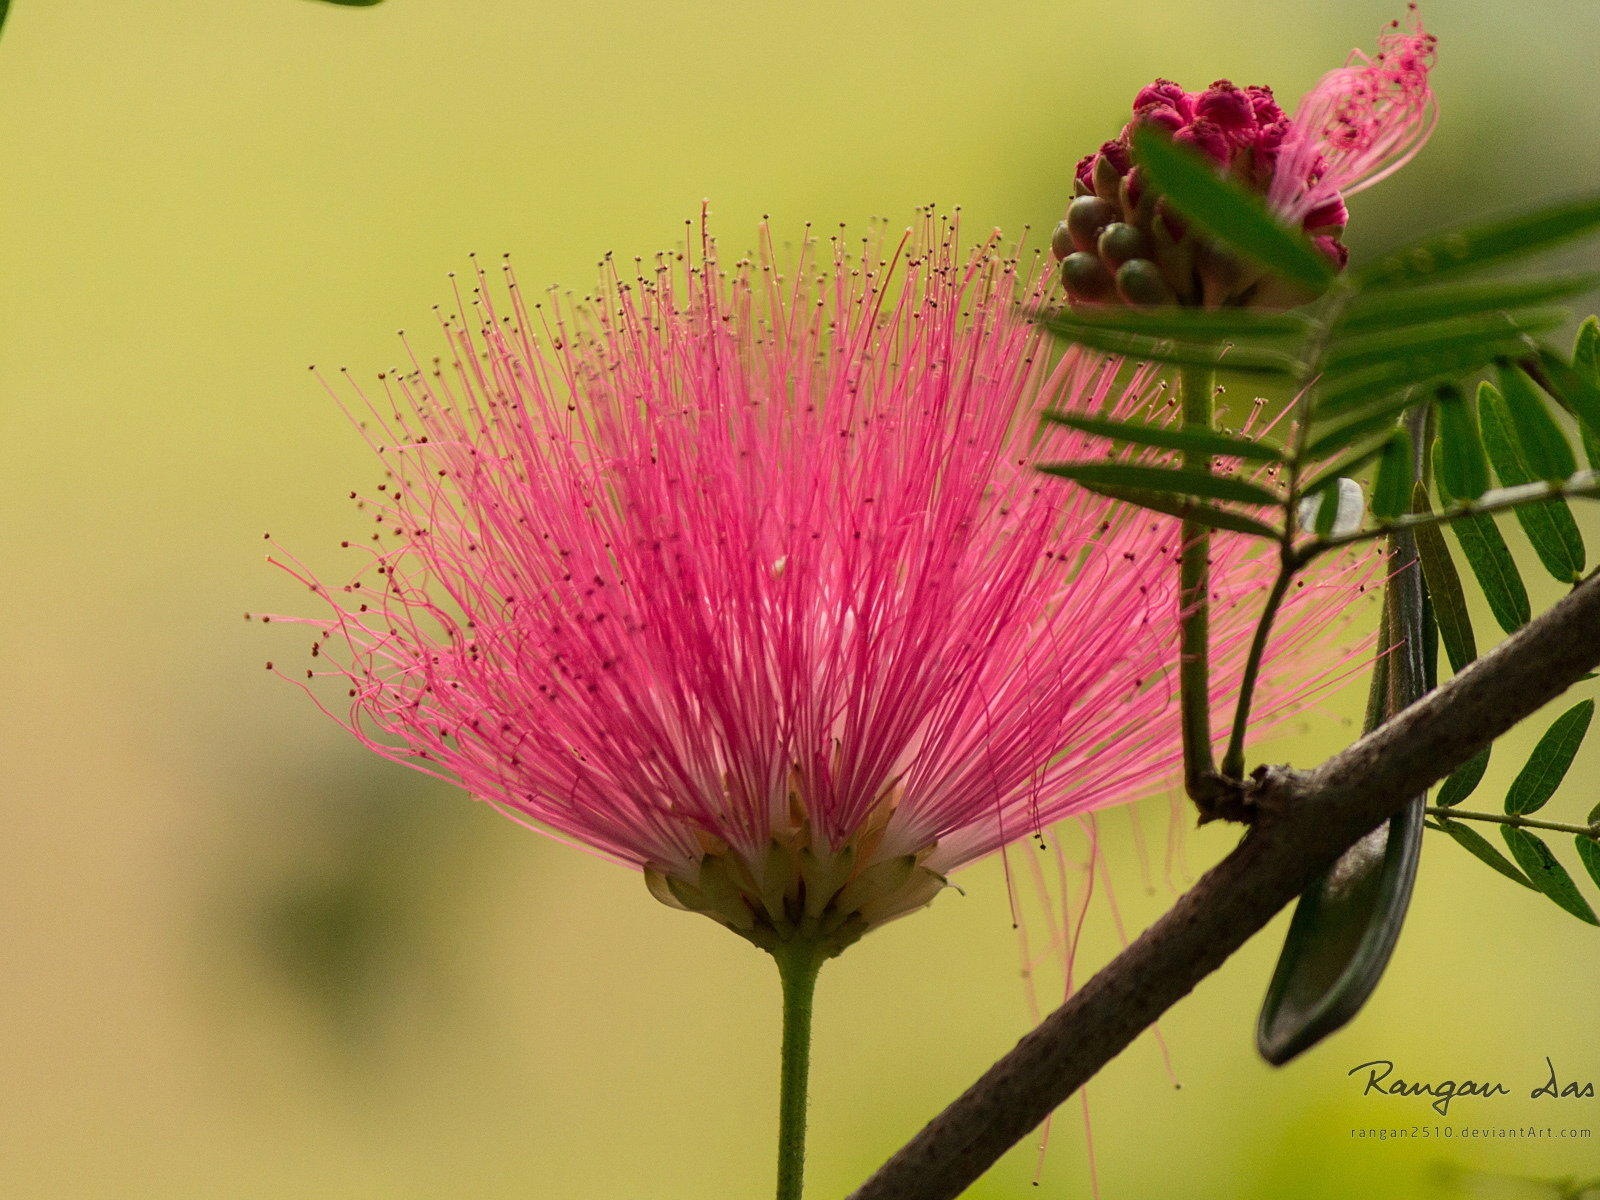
x=1121, y=241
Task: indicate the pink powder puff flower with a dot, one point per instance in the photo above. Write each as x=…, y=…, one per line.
x=1360, y=124
x=746, y=580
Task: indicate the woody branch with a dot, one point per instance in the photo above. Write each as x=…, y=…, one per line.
x=1305, y=820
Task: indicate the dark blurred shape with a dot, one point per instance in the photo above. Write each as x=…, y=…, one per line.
x=357, y=921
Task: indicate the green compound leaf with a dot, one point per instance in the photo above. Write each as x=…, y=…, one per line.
x=1549, y=525
x=1448, y=597
x=1550, y=761
x=1491, y=563
x=1413, y=306
x=1547, y=875
x=1463, y=781
x=1189, y=510
x=1475, y=844
x=1463, y=469
x=1227, y=211
x=1589, y=855
x=1543, y=444
x=1480, y=246
x=1170, y=437
x=1180, y=481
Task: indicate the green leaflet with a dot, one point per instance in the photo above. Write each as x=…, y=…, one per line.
x=1479, y=246
x=1549, y=525
x=1227, y=211
x=1577, y=393
x=1550, y=761
x=1493, y=334
x=1543, y=444
x=1328, y=438
x=1491, y=563
x=1475, y=844
x=1188, y=510
x=1586, y=361
x=1098, y=336
x=1546, y=874
x=1589, y=855
x=1449, y=599
x=1413, y=306
x=1463, y=781
x=1495, y=570
x=1358, y=391
x=1347, y=465
x=1459, y=458
x=1391, y=486
x=1170, y=437
x=1175, y=480
x=1184, y=324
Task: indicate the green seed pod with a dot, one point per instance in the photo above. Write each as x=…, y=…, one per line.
x=1139, y=282
x=1086, y=217
x=1120, y=242
x=1085, y=277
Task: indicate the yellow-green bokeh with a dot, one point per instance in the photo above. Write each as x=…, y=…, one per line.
x=242, y=958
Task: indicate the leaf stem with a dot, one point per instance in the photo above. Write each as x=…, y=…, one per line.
x=798, y=966
x=1583, y=484
x=1196, y=393
x=1458, y=814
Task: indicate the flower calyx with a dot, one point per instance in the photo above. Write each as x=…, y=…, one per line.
x=793, y=893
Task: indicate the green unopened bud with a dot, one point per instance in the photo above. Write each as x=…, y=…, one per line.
x=1120, y=242
x=1139, y=282
x=1107, y=180
x=1061, y=241
x=1085, y=277
x=1086, y=217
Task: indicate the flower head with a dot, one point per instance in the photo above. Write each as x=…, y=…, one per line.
x=1359, y=124
x=746, y=579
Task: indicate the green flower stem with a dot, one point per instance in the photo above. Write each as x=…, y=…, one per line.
x=1458, y=814
x=1196, y=390
x=798, y=966
x=1233, y=760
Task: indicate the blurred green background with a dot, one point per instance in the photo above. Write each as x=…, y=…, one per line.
x=242, y=958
